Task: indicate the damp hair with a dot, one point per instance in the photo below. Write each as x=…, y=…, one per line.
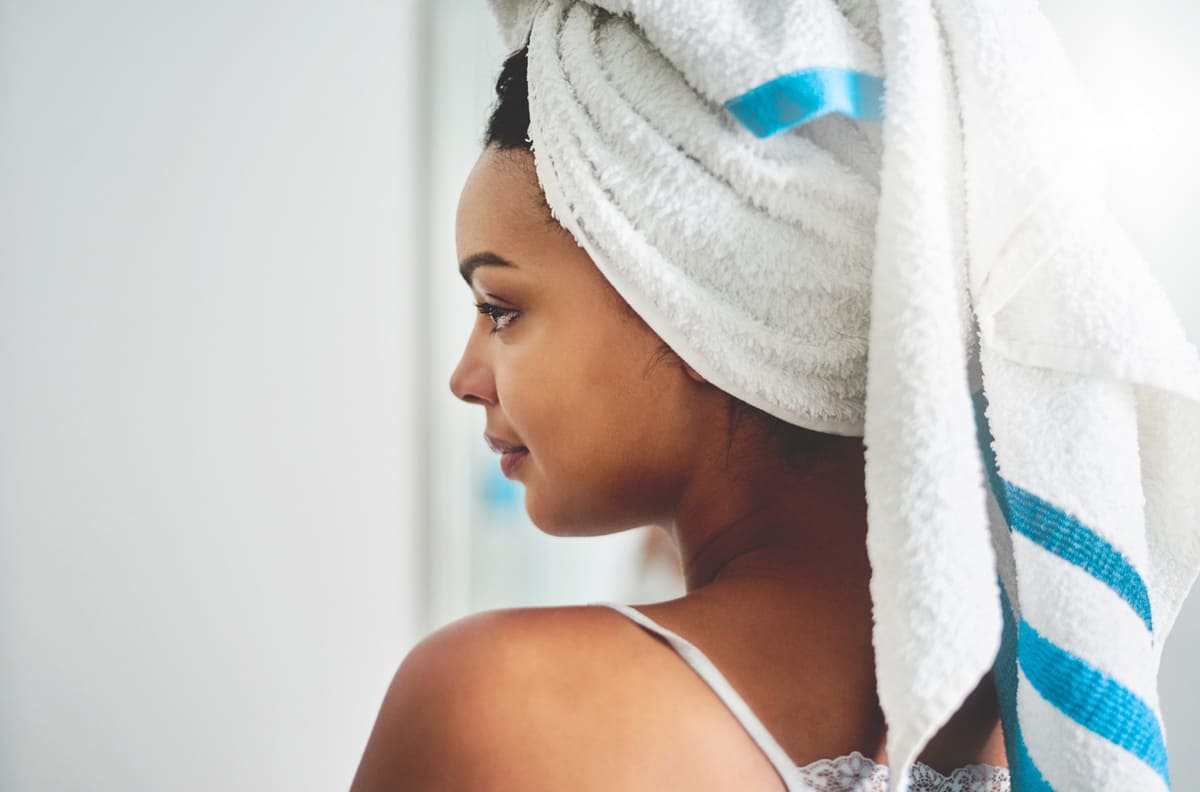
x=508, y=126
x=508, y=130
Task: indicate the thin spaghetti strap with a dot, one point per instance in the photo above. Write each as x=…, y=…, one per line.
x=720, y=685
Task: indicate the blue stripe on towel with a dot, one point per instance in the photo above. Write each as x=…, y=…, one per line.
x=1025, y=774
x=1073, y=541
x=1059, y=532
x=806, y=95
x=1092, y=699
x=1069, y=683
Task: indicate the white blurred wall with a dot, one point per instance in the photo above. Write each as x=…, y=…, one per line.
x=207, y=533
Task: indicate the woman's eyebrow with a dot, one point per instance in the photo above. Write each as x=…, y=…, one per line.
x=467, y=266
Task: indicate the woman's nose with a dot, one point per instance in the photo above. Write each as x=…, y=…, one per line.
x=472, y=380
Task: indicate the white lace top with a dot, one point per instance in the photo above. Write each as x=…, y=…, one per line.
x=851, y=773
x=857, y=773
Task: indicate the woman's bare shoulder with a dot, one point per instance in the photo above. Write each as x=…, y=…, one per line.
x=487, y=701
x=547, y=698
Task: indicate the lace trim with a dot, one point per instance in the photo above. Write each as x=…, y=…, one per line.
x=856, y=773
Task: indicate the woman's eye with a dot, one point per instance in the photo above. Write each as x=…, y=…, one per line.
x=500, y=317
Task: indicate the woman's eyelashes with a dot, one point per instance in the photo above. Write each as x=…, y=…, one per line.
x=501, y=317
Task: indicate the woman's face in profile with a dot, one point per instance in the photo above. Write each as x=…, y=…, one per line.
x=563, y=368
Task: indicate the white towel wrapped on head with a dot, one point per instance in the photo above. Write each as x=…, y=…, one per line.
x=888, y=268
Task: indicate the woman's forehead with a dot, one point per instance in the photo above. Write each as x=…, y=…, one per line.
x=502, y=191
x=502, y=210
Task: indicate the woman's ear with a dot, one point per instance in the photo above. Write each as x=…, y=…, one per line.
x=695, y=375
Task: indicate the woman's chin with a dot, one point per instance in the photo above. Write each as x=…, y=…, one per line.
x=556, y=522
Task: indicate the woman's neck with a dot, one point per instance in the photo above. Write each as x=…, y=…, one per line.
x=792, y=538
x=763, y=517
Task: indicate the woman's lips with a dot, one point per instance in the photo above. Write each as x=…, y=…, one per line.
x=511, y=454
x=511, y=459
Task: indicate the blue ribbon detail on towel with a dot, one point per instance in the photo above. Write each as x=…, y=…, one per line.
x=806, y=95
x=1092, y=699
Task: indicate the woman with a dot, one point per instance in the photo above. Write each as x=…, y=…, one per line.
x=608, y=429
x=880, y=363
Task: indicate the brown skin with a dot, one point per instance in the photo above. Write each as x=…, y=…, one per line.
x=620, y=435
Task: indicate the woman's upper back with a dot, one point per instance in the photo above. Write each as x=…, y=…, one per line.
x=584, y=698
x=549, y=699
x=852, y=772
